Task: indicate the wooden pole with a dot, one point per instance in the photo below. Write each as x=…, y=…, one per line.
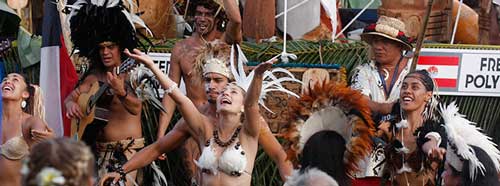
x=421, y=35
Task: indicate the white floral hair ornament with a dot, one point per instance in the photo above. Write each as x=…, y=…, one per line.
x=462, y=134
x=270, y=81
x=50, y=176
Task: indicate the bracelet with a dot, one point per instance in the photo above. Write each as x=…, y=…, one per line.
x=171, y=88
x=122, y=173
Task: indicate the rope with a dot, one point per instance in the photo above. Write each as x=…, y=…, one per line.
x=456, y=22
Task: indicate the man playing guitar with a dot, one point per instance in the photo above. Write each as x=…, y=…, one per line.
x=120, y=136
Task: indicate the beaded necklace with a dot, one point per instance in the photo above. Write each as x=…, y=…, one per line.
x=225, y=144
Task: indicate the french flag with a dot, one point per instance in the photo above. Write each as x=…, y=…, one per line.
x=57, y=74
x=444, y=69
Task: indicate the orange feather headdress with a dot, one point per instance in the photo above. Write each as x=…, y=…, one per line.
x=331, y=106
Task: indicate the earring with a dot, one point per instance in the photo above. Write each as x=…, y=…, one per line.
x=426, y=114
x=23, y=104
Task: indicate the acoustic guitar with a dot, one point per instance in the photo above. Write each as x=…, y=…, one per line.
x=87, y=102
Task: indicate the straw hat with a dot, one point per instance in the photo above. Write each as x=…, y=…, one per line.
x=390, y=28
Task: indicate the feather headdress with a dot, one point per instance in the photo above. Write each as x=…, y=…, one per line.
x=143, y=81
x=96, y=21
x=214, y=57
x=462, y=134
x=336, y=107
x=270, y=81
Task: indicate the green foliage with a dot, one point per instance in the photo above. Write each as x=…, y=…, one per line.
x=348, y=55
x=265, y=171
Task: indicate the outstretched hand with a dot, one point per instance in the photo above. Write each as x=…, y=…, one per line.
x=139, y=57
x=262, y=67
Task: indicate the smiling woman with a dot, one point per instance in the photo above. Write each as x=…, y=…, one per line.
x=21, y=125
x=417, y=140
x=228, y=143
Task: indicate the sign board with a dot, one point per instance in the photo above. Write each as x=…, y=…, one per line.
x=162, y=61
x=463, y=72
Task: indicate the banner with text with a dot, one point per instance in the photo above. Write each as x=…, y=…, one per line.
x=463, y=72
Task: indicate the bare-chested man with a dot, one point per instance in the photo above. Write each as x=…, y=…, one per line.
x=216, y=77
x=184, y=53
x=207, y=29
x=119, y=136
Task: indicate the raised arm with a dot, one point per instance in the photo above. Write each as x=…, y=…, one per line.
x=274, y=150
x=174, y=73
x=252, y=115
x=233, y=30
x=190, y=113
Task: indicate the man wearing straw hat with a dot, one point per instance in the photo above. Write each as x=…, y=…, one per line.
x=380, y=81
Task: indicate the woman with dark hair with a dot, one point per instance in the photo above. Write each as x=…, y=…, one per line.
x=330, y=130
x=454, y=177
x=417, y=142
x=424, y=135
x=325, y=151
x=22, y=125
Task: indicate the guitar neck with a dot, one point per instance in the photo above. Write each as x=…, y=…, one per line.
x=124, y=67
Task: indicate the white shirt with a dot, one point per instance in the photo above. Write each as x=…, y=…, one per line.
x=367, y=80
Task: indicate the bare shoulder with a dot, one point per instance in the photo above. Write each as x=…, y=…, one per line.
x=34, y=122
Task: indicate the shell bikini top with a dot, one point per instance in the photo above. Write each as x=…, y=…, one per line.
x=231, y=161
x=15, y=148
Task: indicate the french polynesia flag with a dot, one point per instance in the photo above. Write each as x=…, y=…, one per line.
x=57, y=74
x=444, y=69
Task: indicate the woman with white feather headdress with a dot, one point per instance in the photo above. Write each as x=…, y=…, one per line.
x=423, y=137
x=229, y=144
x=472, y=159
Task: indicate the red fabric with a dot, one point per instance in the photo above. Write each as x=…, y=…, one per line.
x=68, y=80
x=368, y=181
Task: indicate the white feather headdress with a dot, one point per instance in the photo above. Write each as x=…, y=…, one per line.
x=462, y=134
x=270, y=83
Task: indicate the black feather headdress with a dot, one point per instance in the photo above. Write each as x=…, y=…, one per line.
x=95, y=21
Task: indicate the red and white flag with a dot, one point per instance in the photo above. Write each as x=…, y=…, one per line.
x=444, y=69
x=57, y=74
